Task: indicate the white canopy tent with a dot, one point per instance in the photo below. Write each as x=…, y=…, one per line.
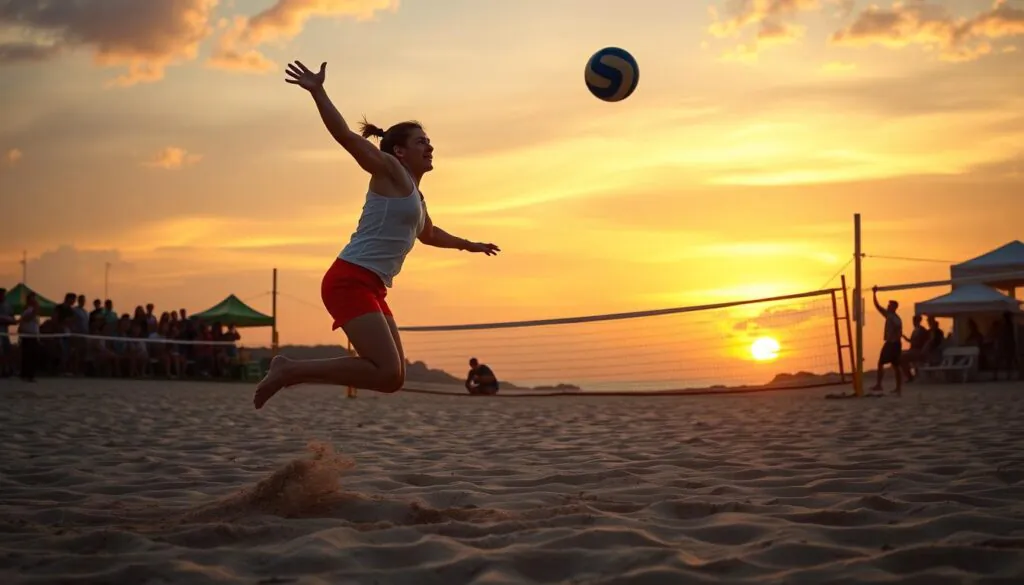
x=980, y=303
x=968, y=299
x=1005, y=266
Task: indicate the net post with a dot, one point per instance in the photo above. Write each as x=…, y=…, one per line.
x=839, y=342
x=849, y=330
x=858, y=299
x=350, y=392
x=273, y=317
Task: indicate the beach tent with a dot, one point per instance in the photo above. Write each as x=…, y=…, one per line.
x=1004, y=260
x=968, y=299
x=17, y=296
x=232, y=311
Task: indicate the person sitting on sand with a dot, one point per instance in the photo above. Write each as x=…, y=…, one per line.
x=481, y=379
x=892, y=347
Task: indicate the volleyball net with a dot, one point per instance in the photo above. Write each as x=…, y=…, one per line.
x=792, y=341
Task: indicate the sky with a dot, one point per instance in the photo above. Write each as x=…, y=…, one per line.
x=159, y=137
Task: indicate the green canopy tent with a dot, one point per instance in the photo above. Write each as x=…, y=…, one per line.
x=232, y=311
x=17, y=296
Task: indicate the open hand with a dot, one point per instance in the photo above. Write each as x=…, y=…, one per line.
x=489, y=249
x=304, y=78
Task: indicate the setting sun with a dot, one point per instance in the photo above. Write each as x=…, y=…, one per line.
x=764, y=349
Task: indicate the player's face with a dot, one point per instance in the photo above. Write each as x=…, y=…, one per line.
x=418, y=154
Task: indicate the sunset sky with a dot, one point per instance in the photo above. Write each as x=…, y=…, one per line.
x=160, y=136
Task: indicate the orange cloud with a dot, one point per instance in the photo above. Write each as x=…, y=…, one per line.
x=836, y=67
x=14, y=155
x=775, y=32
x=173, y=158
x=238, y=45
x=742, y=53
x=931, y=26
x=771, y=19
x=144, y=37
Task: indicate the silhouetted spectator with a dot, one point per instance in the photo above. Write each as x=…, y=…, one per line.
x=6, y=347
x=28, y=330
x=481, y=379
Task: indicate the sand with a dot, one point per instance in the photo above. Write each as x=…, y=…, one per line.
x=135, y=483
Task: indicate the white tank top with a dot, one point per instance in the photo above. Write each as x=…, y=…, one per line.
x=386, y=233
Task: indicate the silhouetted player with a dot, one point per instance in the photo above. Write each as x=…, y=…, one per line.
x=892, y=348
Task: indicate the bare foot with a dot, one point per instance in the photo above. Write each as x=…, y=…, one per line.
x=273, y=382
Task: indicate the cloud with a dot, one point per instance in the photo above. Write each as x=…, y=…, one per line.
x=843, y=8
x=14, y=156
x=237, y=47
x=173, y=158
x=778, y=318
x=837, y=67
x=26, y=52
x=1011, y=169
x=931, y=90
x=929, y=25
x=770, y=18
x=143, y=37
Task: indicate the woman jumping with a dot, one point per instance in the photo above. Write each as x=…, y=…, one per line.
x=354, y=288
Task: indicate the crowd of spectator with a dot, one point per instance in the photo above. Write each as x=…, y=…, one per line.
x=998, y=349
x=78, y=341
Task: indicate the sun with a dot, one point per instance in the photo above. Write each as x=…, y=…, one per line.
x=764, y=349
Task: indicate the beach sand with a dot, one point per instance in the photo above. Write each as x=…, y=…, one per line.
x=145, y=482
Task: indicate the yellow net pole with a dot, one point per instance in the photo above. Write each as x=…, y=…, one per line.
x=858, y=299
x=350, y=392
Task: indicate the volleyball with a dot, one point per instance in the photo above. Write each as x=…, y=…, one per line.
x=612, y=74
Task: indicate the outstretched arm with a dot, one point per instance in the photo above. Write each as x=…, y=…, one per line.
x=878, y=306
x=438, y=238
x=368, y=156
x=442, y=239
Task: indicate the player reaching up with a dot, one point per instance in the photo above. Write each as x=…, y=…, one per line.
x=354, y=288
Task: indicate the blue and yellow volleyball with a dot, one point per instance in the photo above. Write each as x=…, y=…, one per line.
x=612, y=74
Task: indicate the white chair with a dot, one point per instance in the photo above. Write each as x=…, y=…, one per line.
x=962, y=361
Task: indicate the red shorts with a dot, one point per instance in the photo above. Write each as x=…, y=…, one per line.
x=349, y=291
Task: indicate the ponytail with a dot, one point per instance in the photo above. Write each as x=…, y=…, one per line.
x=396, y=135
x=367, y=130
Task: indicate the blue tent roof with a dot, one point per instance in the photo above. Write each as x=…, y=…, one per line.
x=1002, y=268
x=1009, y=255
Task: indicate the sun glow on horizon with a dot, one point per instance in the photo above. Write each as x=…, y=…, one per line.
x=765, y=349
